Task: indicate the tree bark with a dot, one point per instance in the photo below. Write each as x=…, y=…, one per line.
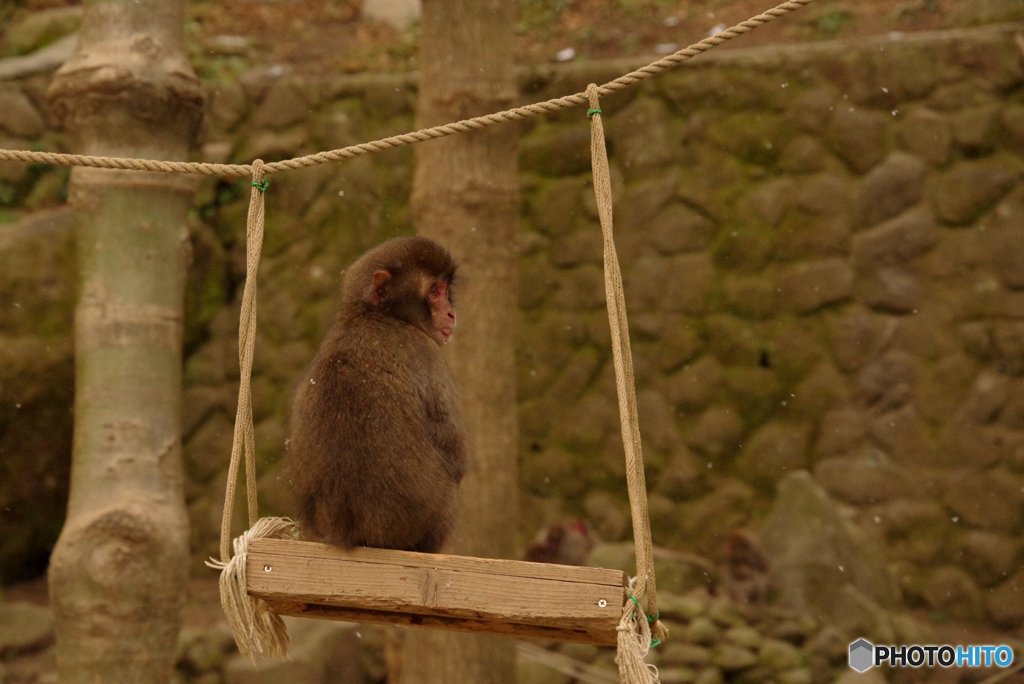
x=118, y=574
x=466, y=196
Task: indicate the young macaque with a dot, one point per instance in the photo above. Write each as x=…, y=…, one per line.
x=746, y=574
x=567, y=543
x=377, y=446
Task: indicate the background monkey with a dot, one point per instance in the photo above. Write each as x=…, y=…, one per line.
x=377, y=446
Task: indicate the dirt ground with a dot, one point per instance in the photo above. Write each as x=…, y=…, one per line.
x=329, y=36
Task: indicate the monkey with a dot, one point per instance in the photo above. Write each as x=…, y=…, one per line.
x=567, y=543
x=377, y=447
x=746, y=573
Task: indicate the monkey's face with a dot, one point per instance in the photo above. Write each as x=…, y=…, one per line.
x=442, y=313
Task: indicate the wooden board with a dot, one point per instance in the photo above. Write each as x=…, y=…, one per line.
x=456, y=593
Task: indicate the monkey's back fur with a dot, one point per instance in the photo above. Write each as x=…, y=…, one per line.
x=377, y=447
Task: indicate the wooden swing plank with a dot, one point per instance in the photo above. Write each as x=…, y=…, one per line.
x=456, y=593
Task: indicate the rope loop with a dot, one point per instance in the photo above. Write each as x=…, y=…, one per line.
x=255, y=626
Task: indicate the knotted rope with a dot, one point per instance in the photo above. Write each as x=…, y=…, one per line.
x=254, y=625
x=634, y=631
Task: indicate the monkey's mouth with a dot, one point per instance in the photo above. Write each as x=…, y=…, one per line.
x=446, y=333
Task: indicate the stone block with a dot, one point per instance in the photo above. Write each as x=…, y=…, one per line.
x=711, y=182
x=271, y=145
x=556, y=151
x=322, y=650
x=582, y=247
x=989, y=500
x=975, y=129
x=207, y=450
x=20, y=117
x=39, y=29
x=890, y=188
x=989, y=556
x=813, y=108
x=1006, y=603
x=816, y=555
x=283, y=105
x=682, y=653
x=607, y=516
x=987, y=397
x=586, y=423
x=928, y=135
x=886, y=383
x=905, y=237
x=825, y=194
x=640, y=204
x=682, y=476
x=952, y=592
x=657, y=421
x=706, y=522
x=904, y=435
x=640, y=135
x=891, y=289
x=734, y=341
x=803, y=154
x=1012, y=120
x=858, y=136
x=678, y=228
x=582, y=289
x=1008, y=344
x=842, y=430
x=859, y=335
x=810, y=285
x=716, y=433
x=732, y=658
x=755, y=389
x=24, y=627
x=794, y=349
x=803, y=237
x=865, y=479
x=696, y=384
x=970, y=188
x=774, y=451
x=1004, y=234
x=555, y=205
x=1012, y=413
x=753, y=295
x=226, y=103
x=971, y=445
x=770, y=201
x=687, y=284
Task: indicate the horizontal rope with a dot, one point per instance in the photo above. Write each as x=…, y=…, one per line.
x=517, y=114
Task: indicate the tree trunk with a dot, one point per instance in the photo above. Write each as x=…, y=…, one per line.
x=466, y=196
x=118, y=575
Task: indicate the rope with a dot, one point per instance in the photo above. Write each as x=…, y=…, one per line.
x=634, y=642
x=244, y=433
x=630, y=658
x=422, y=135
x=254, y=625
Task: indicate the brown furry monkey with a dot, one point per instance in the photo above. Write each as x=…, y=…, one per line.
x=377, y=446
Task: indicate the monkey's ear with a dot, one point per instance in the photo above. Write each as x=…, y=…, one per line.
x=379, y=287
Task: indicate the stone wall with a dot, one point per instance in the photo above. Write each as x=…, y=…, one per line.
x=823, y=254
